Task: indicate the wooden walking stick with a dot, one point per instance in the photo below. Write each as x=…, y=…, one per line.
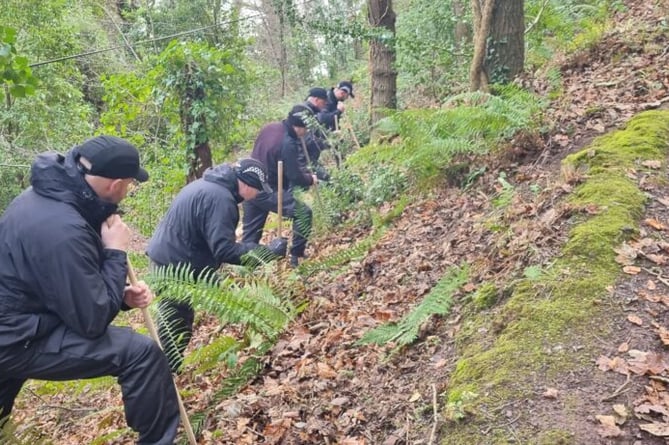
x=306, y=155
x=279, y=196
x=355, y=139
x=148, y=321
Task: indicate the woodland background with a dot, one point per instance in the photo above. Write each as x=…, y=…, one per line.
x=422, y=237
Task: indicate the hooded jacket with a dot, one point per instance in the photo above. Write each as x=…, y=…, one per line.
x=277, y=141
x=199, y=227
x=328, y=114
x=54, y=269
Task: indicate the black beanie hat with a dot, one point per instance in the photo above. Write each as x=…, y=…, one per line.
x=297, y=114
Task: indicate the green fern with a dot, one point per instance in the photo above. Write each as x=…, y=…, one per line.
x=252, y=304
x=437, y=302
x=10, y=435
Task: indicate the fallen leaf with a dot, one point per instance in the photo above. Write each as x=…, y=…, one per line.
x=652, y=163
x=656, y=429
x=325, y=371
x=655, y=224
x=635, y=319
x=609, y=427
x=664, y=335
x=551, y=393
x=632, y=270
x=415, y=396
x=621, y=413
x=624, y=347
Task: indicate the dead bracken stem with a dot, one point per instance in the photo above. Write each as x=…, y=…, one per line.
x=435, y=413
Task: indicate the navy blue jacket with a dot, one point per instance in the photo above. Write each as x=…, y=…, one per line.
x=54, y=269
x=199, y=227
x=275, y=142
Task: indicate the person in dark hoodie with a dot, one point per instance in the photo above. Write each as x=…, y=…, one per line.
x=198, y=232
x=63, y=269
x=316, y=138
x=334, y=106
x=282, y=141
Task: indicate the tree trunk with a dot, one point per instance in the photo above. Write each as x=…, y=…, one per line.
x=382, y=59
x=482, y=15
x=506, y=46
x=462, y=33
x=499, y=42
x=200, y=151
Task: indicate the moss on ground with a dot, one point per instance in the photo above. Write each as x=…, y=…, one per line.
x=543, y=317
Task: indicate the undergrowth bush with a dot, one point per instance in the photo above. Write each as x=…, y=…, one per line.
x=469, y=123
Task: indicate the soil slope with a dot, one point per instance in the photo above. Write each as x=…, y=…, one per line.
x=319, y=387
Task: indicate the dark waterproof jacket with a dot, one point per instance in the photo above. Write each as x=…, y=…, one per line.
x=199, y=228
x=54, y=270
x=277, y=141
x=327, y=115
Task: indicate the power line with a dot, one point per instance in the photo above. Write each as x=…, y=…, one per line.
x=141, y=42
x=157, y=39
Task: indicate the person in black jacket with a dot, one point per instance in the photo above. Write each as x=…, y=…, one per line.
x=316, y=138
x=334, y=107
x=63, y=269
x=198, y=232
x=282, y=141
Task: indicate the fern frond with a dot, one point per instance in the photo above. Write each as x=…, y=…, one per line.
x=10, y=435
x=221, y=349
x=344, y=256
x=437, y=302
x=252, y=304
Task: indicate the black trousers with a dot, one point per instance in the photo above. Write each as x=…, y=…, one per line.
x=255, y=216
x=175, y=329
x=149, y=396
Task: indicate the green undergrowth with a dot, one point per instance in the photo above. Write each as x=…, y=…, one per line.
x=424, y=142
x=540, y=330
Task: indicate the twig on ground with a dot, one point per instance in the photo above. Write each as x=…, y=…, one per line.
x=435, y=412
x=621, y=389
x=657, y=275
x=659, y=378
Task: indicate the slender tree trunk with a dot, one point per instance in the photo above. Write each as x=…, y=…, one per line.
x=283, y=54
x=382, y=59
x=463, y=32
x=482, y=15
x=499, y=42
x=200, y=151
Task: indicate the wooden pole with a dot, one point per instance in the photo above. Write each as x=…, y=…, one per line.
x=148, y=321
x=279, y=197
x=306, y=155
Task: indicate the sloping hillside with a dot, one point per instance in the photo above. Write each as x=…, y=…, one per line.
x=586, y=310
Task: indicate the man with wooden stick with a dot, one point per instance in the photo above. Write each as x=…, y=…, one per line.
x=330, y=115
x=316, y=137
x=282, y=141
x=198, y=232
x=63, y=269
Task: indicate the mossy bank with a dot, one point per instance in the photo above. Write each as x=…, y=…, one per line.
x=550, y=326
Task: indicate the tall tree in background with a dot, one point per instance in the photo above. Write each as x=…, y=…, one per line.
x=499, y=45
x=383, y=75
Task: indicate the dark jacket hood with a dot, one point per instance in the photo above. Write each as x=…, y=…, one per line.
x=224, y=175
x=57, y=177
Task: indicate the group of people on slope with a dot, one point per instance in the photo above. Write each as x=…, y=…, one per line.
x=64, y=267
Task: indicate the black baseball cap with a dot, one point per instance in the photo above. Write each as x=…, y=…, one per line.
x=252, y=172
x=318, y=92
x=346, y=86
x=112, y=157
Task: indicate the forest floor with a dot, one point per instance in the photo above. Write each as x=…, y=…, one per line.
x=319, y=387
